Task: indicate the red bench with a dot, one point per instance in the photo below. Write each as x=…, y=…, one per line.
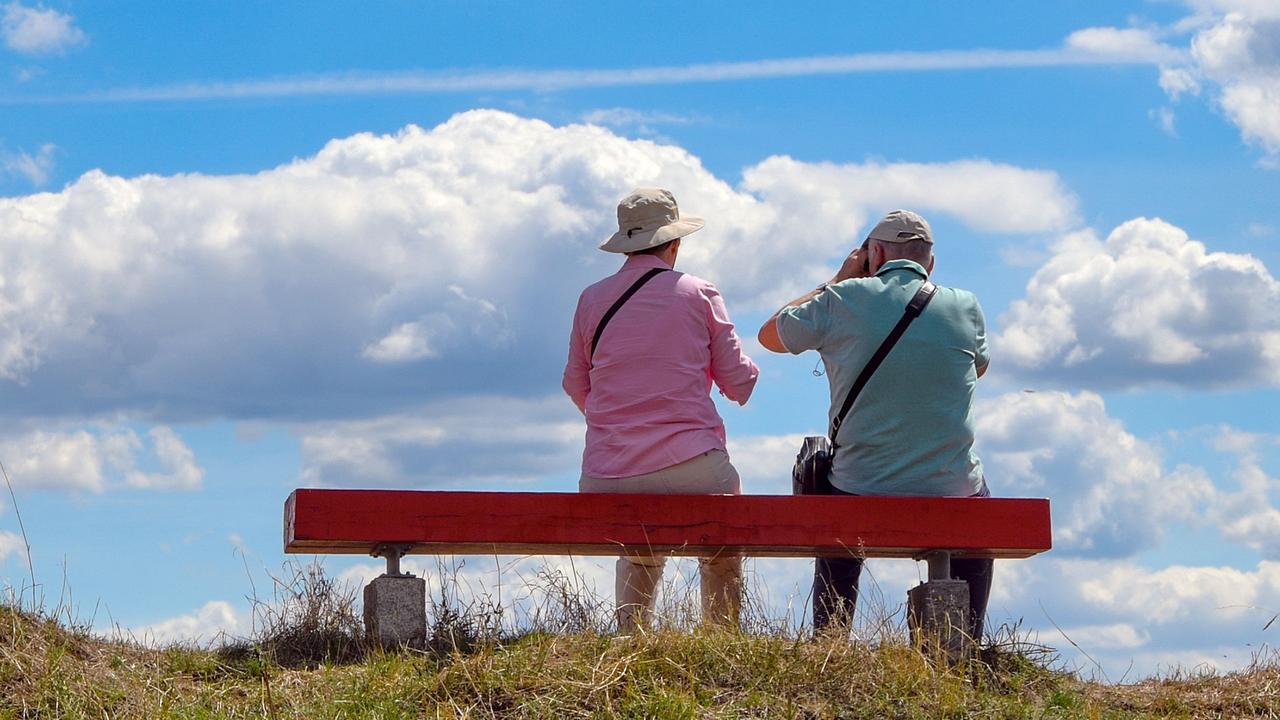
x=392, y=523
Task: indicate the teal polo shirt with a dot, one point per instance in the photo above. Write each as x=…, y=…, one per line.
x=911, y=430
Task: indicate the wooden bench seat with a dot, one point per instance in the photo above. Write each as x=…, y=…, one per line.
x=514, y=523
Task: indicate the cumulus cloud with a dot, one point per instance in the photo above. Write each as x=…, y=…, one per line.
x=1112, y=495
x=1137, y=620
x=1178, y=594
x=466, y=443
x=764, y=461
x=38, y=30
x=97, y=457
x=178, y=468
x=1242, y=54
x=1116, y=636
x=1147, y=305
x=214, y=619
x=1248, y=514
x=1235, y=50
x=391, y=268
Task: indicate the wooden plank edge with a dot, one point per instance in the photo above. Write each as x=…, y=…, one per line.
x=320, y=547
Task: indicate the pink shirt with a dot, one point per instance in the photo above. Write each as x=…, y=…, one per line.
x=646, y=394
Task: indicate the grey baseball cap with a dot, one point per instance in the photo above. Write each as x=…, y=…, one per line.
x=901, y=226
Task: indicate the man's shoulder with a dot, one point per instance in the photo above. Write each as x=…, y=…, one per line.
x=959, y=296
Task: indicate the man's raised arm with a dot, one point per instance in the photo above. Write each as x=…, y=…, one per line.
x=854, y=266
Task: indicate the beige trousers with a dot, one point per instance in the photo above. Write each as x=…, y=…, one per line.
x=637, y=577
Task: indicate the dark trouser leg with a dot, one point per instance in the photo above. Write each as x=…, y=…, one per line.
x=977, y=573
x=835, y=592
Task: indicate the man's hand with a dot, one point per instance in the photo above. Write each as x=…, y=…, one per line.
x=854, y=266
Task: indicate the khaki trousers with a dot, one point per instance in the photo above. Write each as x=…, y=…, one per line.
x=637, y=577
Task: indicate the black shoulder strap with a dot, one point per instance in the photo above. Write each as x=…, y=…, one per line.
x=608, y=315
x=914, y=308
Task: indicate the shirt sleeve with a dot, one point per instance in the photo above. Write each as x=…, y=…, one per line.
x=805, y=326
x=577, y=370
x=981, y=356
x=733, y=372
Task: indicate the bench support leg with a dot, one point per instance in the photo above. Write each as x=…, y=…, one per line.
x=395, y=605
x=938, y=611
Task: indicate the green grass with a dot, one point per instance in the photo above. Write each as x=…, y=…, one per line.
x=50, y=670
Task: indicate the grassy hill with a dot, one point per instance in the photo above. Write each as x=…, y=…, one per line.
x=51, y=670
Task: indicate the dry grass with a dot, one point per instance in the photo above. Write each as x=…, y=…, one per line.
x=559, y=660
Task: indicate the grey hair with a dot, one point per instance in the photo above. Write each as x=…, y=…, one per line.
x=915, y=250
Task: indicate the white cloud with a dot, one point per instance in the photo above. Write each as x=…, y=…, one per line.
x=1033, y=201
x=764, y=462
x=1177, y=594
x=1132, y=44
x=1136, y=620
x=391, y=268
x=1148, y=305
x=406, y=342
x=1235, y=49
x=97, y=457
x=178, y=468
x=467, y=443
x=1117, y=636
x=1096, y=46
x=1177, y=82
x=10, y=544
x=1248, y=514
x=206, y=625
x=1242, y=54
x=838, y=203
x=38, y=30
x=36, y=168
x=1112, y=495
x=60, y=460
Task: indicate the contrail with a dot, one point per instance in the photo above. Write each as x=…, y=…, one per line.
x=547, y=80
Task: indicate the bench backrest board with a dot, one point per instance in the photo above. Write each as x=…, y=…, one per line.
x=446, y=523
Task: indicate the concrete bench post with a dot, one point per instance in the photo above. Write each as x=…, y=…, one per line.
x=395, y=603
x=938, y=610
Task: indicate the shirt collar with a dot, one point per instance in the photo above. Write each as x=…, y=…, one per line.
x=643, y=261
x=911, y=265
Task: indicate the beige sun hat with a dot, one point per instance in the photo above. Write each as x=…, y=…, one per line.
x=901, y=226
x=649, y=217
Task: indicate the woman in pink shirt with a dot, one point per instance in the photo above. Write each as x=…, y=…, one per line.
x=646, y=346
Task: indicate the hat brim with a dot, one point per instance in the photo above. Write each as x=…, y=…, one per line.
x=620, y=243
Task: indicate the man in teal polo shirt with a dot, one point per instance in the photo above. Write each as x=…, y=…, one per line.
x=910, y=432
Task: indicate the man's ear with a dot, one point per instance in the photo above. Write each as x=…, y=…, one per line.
x=876, y=258
x=930, y=268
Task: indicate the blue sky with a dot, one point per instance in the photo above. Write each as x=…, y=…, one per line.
x=247, y=249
